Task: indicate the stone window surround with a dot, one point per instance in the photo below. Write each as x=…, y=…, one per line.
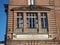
x=39, y=22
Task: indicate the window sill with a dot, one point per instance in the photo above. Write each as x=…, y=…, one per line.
x=32, y=37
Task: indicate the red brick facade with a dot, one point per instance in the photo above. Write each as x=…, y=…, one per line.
x=52, y=7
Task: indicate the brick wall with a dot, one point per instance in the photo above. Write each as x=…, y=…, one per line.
x=53, y=4
x=35, y=42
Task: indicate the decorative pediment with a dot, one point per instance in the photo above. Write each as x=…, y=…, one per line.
x=31, y=8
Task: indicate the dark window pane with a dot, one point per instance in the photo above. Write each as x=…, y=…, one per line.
x=43, y=13
x=19, y=19
x=17, y=25
x=19, y=14
x=44, y=21
x=32, y=19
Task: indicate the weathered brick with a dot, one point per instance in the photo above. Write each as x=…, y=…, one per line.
x=53, y=21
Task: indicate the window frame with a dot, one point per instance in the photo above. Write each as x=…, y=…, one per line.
x=32, y=18
x=44, y=20
x=20, y=17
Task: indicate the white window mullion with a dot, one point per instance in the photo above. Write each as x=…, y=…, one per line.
x=43, y=20
x=19, y=23
x=32, y=2
x=34, y=19
x=31, y=21
x=28, y=2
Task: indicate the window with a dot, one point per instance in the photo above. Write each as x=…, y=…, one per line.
x=30, y=2
x=32, y=19
x=44, y=21
x=19, y=20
